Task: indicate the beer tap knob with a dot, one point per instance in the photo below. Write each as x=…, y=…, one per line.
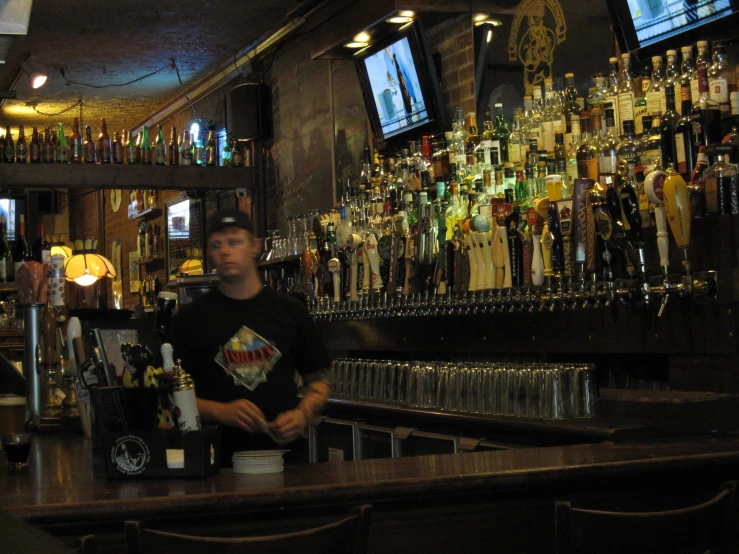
x=354, y=242
x=334, y=268
x=373, y=256
x=654, y=188
x=677, y=211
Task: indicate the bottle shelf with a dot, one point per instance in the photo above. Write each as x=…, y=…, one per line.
x=121, y=176
x=148, y=214
x=8, y=287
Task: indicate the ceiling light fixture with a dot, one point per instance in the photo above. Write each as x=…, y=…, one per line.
x=399, y=20
x=407, y=13
x=85, y=267
x=479, y=17
x=356, y=44
x=493, y=22
x=362, y=37
x=35, y=78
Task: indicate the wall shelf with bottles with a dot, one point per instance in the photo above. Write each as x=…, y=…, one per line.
x=8, y=287
x=287, y=260
x=153, y=213
x=121, y=176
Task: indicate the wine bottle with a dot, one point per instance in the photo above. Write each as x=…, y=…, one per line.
x=6, y=259
x=21, y=253
x=41, y=248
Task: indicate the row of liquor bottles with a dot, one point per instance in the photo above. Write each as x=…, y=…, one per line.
x=670, y=131
x=11, y=258
x=126, y=147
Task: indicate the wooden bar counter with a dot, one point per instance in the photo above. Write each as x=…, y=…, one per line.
x=422, y=504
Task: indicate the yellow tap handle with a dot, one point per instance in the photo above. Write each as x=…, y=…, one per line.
x=546, y=250
x=677, y=208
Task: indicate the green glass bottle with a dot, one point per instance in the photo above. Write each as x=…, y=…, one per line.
x=62, y=151
x=145, y=147
x=228, y=153
x=211, y=154
x=161, y=148
x=500, y=134
x=132, y=155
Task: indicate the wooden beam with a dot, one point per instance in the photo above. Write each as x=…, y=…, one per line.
x=112, y=176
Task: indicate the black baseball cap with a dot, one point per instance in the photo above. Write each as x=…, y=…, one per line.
x=230, y=217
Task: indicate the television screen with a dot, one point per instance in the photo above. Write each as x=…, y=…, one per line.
x=7, y=209
x=397, y=92
x=656, y=20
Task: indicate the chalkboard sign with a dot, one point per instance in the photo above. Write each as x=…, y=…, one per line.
x=302, y=132
x=351, y=131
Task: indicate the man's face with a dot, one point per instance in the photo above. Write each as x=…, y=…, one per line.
x=231, y=252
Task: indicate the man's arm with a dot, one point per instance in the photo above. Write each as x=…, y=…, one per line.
x=237, y=413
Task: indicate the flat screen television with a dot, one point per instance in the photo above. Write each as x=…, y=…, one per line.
x=400, y=87
x=652, y=26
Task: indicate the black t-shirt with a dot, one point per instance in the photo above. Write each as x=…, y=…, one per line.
x=248, y=349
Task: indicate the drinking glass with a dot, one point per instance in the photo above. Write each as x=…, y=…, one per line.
x=17, y=446
x=584, y=391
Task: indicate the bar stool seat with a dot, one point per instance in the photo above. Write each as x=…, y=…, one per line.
x=695, y=529
x=347, y=536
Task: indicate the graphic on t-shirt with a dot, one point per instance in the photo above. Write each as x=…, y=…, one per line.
x=248, y=358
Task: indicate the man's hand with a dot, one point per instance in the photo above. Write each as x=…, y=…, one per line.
x=240, y=413
x=289, y=426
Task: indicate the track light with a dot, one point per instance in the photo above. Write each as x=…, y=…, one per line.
x=35, y=78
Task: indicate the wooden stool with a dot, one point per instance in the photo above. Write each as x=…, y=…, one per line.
x=694, y=529
x=348, y=536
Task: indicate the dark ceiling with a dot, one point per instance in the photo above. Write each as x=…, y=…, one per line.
x=103, y=42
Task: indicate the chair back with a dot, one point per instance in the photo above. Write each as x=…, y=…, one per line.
x=696, y=529
x=347, y=536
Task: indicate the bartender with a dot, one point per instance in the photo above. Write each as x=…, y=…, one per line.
x=249, y=348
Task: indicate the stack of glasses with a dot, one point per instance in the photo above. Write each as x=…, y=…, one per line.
x=536, y=390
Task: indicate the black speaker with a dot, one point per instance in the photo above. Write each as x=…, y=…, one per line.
x=249, y=111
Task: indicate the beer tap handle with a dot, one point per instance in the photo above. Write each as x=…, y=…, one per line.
x=334, y=268
x=546, y=250
x=472, y=260
x=654, y=188
x=306, y=264
x=478, y=242
x=408, y=259
x=353, y=276
x=370, y=248
x=677, y=211
x=537, y=262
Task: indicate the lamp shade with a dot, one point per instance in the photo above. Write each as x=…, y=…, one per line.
x=191, y=267
x=85, y=268
x=61, y=249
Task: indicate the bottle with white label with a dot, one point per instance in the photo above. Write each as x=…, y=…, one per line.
x=704, y=57
x=672, y=78
x=626, y=90
x=547, y=123
x=607, y=156
x=516, y=141
x=612, y=92
x=687, y=66
x=720, y=79
x=655, y=94
x=640, y=105
x=536, y=117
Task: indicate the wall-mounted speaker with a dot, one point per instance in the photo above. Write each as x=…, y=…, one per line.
x=249, y=111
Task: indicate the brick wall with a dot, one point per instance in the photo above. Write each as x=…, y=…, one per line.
x=453, y=41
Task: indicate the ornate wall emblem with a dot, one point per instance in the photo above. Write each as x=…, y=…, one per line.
x=535, y=46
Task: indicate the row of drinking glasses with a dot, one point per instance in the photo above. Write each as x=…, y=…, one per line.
x=298, y=229
x=536, y=390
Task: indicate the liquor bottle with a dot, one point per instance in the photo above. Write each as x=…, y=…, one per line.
x=211, y=153
x=21, y=252
x=641, y=107
x=21, y=148
x=654, y=147
x=720, y=79
x=627, y=150
x=199, y=155
x=472, y=140
x=686, y=69
x=706, y=113
x=160, y=148
x=572, y=147
x=547, y=117
x=174, y=148
x=88, y=147
x=697, y=186
x=9, y=151
x=186, y=150
x=668, y=131
x=104, y=147
x=720, y=183
x=626, y=91
x=587, y=153
x=571, y=109
x=597, y=96
x=705, y=59
x=655, y=95
x=41, y=248
x=611, y=94
x=145, y=154
x=672, y=78
x=6, y=259
x=62, y=151
x=560, y=157
x=365, y=175
x=501, y=136
x=596, y=128
x=608, y=147
x=537, y=108
x=117, y=148
x=132, y=152
x=642, y=145
x=76, y=143
x=684, y=140
x=516, y=140
x=2, y=148
x=34, y=149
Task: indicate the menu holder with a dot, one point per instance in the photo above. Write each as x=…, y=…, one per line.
x=132, y=446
